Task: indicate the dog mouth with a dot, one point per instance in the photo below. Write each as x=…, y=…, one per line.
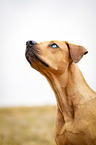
x=39, y=59
x=33, y=57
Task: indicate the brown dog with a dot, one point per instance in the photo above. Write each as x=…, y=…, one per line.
x=76, y=102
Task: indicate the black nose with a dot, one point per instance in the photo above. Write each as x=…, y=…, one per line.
x=30, y=43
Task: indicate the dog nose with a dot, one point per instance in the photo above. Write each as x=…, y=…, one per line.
x=31, y=43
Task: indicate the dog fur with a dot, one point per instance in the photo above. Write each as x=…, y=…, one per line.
x=75, y=122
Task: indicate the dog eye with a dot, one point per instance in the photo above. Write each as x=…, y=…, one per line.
x=54, y=45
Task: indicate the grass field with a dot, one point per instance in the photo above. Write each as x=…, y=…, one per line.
x=27, y=126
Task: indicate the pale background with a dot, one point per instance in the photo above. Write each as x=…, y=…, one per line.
x=41, y=20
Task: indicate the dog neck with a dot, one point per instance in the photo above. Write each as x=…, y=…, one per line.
x=69, y=89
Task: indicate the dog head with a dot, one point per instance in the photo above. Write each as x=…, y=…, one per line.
x=53, y=56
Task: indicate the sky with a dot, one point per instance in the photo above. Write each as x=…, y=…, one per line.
x=41, y=20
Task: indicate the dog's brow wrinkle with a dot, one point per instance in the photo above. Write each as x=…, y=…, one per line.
x=52, y=42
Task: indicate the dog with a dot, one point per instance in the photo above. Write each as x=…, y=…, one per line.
x=75, y=122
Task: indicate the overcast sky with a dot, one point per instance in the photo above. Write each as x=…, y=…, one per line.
x=41, y=20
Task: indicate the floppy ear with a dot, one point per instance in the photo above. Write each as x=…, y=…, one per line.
x=76, y=52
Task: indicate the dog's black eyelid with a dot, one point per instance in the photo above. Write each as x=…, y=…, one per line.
x=53, y=45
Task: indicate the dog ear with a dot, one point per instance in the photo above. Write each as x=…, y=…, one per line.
x=76, y=52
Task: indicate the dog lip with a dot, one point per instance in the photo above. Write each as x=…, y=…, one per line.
x=44, y=63
x=27, y=56
x=36, y=56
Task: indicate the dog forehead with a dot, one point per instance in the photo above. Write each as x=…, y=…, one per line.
x=44, y=43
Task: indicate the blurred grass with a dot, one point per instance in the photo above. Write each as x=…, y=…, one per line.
x=27, y=126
